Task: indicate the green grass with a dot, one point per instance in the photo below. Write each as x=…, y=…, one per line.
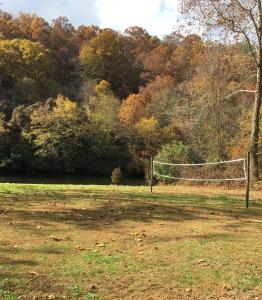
x=117, y=242
x=109, y=263
x=5, y=293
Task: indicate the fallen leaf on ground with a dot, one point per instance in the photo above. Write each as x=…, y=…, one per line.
x=80, y=248
x=200, y=261
x=55, y=238
x=34, y=273
x=138, y=240
x=227, y=287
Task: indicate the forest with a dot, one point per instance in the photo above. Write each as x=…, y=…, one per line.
x=87, y=100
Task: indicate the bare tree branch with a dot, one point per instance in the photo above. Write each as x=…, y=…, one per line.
x=240, y=91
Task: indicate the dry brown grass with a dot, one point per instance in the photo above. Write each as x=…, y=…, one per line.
x=106, y=242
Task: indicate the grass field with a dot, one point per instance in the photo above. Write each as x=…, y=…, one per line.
x=106, y=242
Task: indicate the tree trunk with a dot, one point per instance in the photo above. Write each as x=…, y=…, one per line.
x=257, y=104
x=255, y=122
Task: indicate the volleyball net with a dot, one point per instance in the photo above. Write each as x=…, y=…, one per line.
x=230, y=170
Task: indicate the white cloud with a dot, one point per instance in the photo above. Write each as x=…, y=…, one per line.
x=157, y=16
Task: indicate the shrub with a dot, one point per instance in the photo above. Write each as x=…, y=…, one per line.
x=116, y=176
x=171, y=153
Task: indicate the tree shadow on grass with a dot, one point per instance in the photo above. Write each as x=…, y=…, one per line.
x=114, y=207
x=12, y=262
x=103, y=215
x=186, y=237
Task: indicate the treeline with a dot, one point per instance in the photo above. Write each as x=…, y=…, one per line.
x=87, y=100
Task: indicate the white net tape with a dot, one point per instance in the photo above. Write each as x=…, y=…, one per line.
x=231, y=174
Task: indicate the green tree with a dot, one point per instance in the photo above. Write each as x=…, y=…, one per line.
x=57, y=133
x=104, y=107
x=171, y=153
x=106, y=147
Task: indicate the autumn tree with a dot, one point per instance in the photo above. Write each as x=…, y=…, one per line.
x=56, y=132
x=104, y=107
x=26, y=71
x=186, y=56
x=158, y=62
x=142, y=142
x=139, y=43
x=240, y=146
x=238, y=19
x=162, y=105
x=64, y=46
x=8, y=27
x=161, y=82
x=210, y=112
x=132, y=109
x=86, y=33
x=105, y=57
x=106, y=148
x=138, y=40
x=147, y=131
x=33, y=28
x=23, y=58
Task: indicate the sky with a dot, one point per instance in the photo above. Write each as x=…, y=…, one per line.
x=158, y=17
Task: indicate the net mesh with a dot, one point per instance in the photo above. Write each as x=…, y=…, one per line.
x=232, y=170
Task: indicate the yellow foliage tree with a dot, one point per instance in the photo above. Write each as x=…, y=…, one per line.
x=131, y=109
x=57, y=132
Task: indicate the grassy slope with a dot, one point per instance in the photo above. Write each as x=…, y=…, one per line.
x=106, y=242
